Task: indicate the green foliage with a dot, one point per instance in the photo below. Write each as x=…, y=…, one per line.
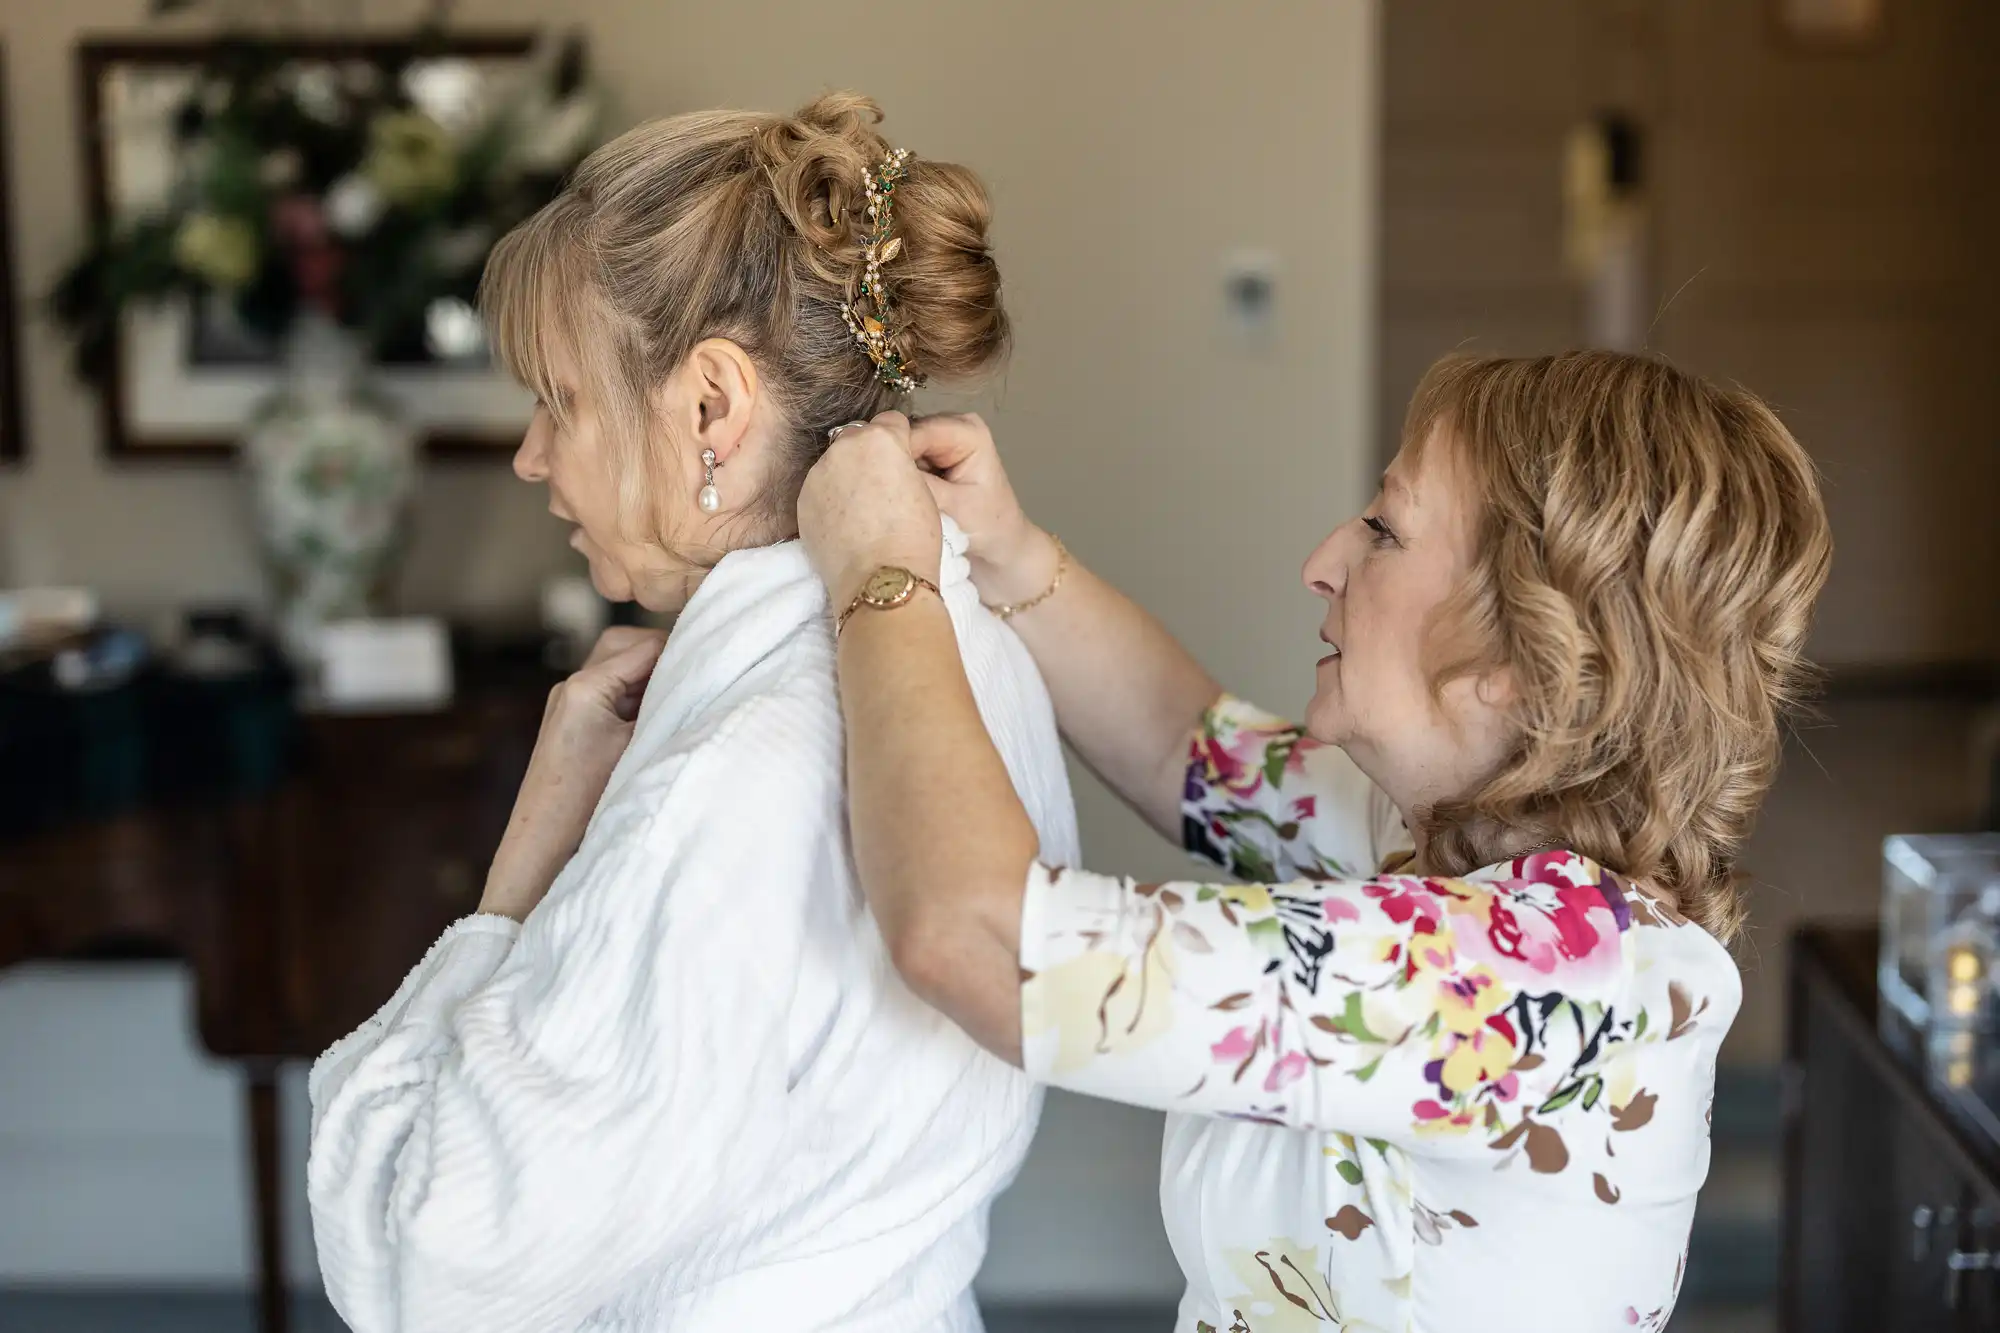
x=308, y=184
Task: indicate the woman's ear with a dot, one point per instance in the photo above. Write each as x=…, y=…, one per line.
x=1495, y=689
x=720, y=385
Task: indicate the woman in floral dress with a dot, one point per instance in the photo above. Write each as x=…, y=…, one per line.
x=1442, y=1057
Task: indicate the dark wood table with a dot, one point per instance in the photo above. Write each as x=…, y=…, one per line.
x=1892, y=1174
x=300, y=911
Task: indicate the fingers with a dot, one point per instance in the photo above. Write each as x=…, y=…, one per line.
x=890, y=428
x=617, y=639
x=942, y=443
x=942, y=492
x=892, y=423
x=863, y=457
x=631, y=663
x=952, y=498
x=618, y=668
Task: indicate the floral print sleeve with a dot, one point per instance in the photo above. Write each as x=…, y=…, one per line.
x=1401, y=1007
x=1394, y=1101
x=1267, y=803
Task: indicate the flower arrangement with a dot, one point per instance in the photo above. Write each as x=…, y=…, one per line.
x=367, y=190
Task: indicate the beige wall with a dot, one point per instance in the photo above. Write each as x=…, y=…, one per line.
x=1131, y=145
x=1836, y=216
x=1822, y=233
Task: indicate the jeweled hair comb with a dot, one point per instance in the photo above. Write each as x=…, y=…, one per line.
x=871, y=330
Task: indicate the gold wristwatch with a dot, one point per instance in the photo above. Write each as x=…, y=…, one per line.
x=886, y=589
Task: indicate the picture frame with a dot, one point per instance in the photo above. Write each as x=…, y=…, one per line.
x=169, y=393
x=1830, y=26
x=13, y=412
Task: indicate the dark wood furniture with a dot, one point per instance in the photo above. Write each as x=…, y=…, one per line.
x=298, y=912
x=1892, y=1180
x=13, y=413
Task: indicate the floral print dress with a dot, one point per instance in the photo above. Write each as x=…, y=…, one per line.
x=1398, y=1102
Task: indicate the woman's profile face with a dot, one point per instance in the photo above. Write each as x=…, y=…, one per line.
x=1384, y=576
x=577, y=469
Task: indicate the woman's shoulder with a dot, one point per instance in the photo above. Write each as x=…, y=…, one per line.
x=1555, y=920
x=1267, y=802
x=1595, y=989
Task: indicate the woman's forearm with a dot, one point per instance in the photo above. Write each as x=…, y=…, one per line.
x=1126, y=692
x=940, y=838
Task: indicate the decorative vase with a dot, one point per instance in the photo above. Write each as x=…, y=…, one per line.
x=332, y=466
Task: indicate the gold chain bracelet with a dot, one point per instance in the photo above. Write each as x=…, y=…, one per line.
x=1008, y=610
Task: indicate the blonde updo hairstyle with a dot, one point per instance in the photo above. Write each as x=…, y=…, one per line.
x=1649, y=553
x=748, y=227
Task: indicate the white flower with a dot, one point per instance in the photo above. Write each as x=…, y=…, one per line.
x=448, y=91
x=453, y=330
x=316, y=88
x=410, y=157
x=221, y=250
x=554, y=140
x=353, y=206
x=281, y=168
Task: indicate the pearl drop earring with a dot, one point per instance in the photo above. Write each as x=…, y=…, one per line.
x=710, y=499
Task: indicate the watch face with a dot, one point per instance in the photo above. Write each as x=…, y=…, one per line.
x=888, y=586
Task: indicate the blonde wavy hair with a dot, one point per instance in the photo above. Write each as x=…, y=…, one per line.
x=1650, y=550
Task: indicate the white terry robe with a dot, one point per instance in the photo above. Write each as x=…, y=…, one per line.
x=690, y=1093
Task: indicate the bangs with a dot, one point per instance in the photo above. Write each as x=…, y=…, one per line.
x=534, y=298
x=1450, y=391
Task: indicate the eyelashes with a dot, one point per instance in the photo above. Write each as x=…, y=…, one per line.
x=1384, y=535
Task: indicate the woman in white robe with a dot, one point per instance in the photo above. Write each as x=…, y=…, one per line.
x=667, y=1077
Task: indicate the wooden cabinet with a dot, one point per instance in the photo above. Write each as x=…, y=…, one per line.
x=1892, y=1190
x=298, y=911
x=388, y=844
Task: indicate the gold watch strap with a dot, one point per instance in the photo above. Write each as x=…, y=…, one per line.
x=861, y=600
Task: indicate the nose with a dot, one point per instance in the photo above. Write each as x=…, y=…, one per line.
x=531, y=460
x=1325, y=572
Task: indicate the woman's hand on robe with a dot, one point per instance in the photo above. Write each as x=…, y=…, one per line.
x=585, y=729
x=1012, y=559
x=865, y=505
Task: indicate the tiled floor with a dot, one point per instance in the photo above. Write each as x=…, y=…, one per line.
x=24, y=1312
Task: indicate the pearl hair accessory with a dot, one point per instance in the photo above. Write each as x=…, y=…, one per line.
x=871, y=330
x=710, y=499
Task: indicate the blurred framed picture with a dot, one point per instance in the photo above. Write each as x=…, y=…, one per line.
x=181, y=377
x=1831, y=25
x=13, y=416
